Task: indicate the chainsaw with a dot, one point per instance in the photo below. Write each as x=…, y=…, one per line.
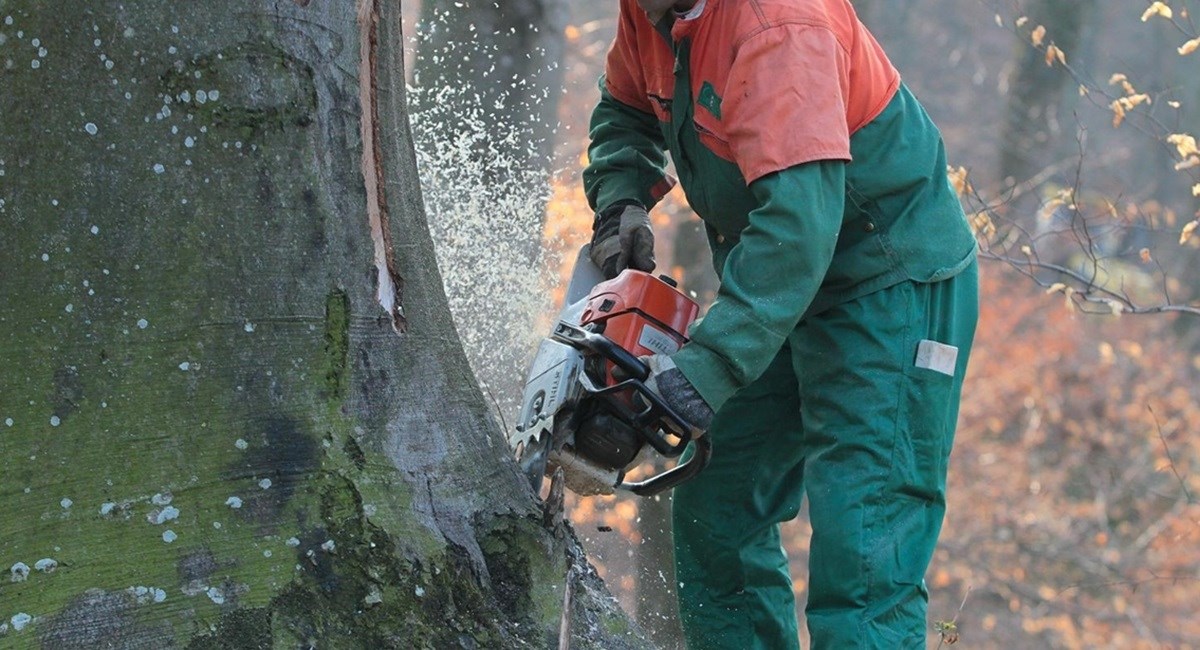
x=586, y=408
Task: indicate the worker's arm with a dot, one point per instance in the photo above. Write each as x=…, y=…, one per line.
x=785, y=115
x=769, y=278
x=627, y=158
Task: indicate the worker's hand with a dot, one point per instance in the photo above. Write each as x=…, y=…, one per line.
x=679, y=393
x=622, y=239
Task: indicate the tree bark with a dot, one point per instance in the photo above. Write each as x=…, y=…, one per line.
x=234, y=411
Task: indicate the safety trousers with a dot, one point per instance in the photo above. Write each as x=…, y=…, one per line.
x=857, y=412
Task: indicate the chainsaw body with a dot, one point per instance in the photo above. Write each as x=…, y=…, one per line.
x=586, y=408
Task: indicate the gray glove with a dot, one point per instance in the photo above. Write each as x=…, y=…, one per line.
x=679, y=393
x=622, y=239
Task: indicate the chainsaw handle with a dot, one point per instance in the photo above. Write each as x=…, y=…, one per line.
x=682, y=472
x=634, y=373
x=580, y=338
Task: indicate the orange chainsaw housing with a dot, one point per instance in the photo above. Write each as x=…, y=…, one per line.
x=641, y=313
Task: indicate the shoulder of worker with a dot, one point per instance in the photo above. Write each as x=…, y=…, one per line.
x=751, y=17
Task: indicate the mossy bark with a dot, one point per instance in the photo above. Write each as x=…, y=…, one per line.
x=210, y=429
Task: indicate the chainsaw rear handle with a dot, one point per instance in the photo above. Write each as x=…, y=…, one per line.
x=656, y=410
x=635, y=372
x=682, y=472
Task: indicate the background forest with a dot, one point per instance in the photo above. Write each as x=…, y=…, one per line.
x=1073, y=517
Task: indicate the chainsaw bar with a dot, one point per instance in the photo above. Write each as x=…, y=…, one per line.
x=531, y=457
x=551, y=392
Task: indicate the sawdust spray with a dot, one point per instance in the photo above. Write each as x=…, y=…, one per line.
x=486, y=181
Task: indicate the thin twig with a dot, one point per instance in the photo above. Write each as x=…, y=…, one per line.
x=948, y=632
x=1170, y=459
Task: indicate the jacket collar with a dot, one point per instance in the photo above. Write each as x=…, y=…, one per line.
x=683, y=28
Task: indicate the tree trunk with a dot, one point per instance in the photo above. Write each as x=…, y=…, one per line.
x=234, y=411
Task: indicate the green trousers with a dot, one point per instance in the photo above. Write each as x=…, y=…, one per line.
x=857, y=412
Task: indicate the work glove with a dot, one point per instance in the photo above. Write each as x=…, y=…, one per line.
x=622, y=239
x=669, y=383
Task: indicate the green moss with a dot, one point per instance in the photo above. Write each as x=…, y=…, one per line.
x=366, y=592
x=527, y=575
x=240, y=629
x=337, y=342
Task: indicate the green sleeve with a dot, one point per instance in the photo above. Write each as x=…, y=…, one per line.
x=626, y=157
x=769, y=278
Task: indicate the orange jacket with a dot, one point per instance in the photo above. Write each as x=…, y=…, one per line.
x=779, y=93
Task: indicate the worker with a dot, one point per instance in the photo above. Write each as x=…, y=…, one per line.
x=830, y=364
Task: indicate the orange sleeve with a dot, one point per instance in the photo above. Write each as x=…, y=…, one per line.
x=786, y=99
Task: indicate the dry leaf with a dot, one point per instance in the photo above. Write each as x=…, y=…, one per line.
x=1116, y=79
x=1052, y=53
x=1133, y=101
x=1021, y=21
x=1184, y=144
x=1157, y=9
x=1188, y=230
x=1189, y=47
x=1118, y=110
x=981, y=223
x=1196, y=189
x=1174, y=104
x=1112, y=209
x=1192, y=161
x=1039, y=35
x=958, y=179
